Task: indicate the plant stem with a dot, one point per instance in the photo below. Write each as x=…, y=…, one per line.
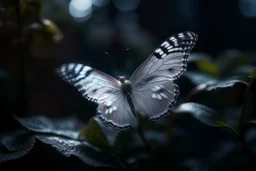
x=244, y=143
x=245, y=146
x=21, y=97
x=247, y=149
x=148, y=147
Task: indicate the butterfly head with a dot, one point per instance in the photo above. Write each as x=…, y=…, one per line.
x=122, y=79
x=125, y=85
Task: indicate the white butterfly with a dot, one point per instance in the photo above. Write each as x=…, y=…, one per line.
x=151, y=90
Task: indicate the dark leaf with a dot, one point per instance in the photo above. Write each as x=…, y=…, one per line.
x=123, y=143
x=31, y=10
x=249, y=100
x=203, y=63
x=16, y=145
x=68, y=126
x=202, y=113
x=242, y=72
x=83, y=150
x=229, y=60
x=94, y=134
x=197, y=78
x=219, y=95
x=45, y=32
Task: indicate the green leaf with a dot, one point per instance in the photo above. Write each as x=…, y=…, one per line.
x=68, y=126
x=83, y=150
x=203, y=63
x=16, y=145
x=219, y=95
x=202, y=113
x=94, y=134
x=229, y=60
x=249, y=100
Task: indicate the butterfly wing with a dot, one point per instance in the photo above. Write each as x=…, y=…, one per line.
x=152, y=82
x=96, y=86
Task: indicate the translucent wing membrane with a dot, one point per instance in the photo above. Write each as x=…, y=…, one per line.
x=103, y=89
x=152, y=83
x=156, y=99
x=118, y=114
x=169, y=59
x=93, y=84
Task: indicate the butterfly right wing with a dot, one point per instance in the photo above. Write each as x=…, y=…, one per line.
x=103, y=89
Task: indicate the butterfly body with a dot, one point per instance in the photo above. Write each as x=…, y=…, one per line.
x=150, y=91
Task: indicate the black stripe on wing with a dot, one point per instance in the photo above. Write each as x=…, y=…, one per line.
x=179, y=43
x=73, y=73
x=90, y=82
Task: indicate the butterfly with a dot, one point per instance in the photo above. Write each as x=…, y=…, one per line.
x=150, y=91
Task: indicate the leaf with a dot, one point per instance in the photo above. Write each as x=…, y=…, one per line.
x=242, y=72
x=202, y=113
x=123, y=143
x=83, y=150
x=52, y=30
x=31, y=10
x=94, y=134
x=203, y=63
x=229, y=60
x=68, y=126
x=16, y=145
x=249, y=100
x=197, y=78
x=219, y=95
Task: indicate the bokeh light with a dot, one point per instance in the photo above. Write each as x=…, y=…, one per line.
x=248, y=8
x=80, y=9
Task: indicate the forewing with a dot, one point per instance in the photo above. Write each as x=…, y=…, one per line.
x=168, y=60
x=93, y=84
x=156, y=99
x=113, y=108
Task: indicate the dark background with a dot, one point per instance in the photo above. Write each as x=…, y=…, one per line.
x=115, y=39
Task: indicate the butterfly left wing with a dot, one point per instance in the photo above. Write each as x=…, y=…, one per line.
x=113, y=109
x=93, y=84
x=153, y=88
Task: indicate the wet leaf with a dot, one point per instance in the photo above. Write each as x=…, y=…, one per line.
x=94, y=134
x=16, y=145
x=68, y=126
x=197, y=78
x=202, y=113
x=219, y=95
x=83, y=150
x=249, y=100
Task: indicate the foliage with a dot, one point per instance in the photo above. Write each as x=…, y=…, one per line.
x=214, y=121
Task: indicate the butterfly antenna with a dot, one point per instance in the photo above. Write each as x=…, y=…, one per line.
x=116, y=69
